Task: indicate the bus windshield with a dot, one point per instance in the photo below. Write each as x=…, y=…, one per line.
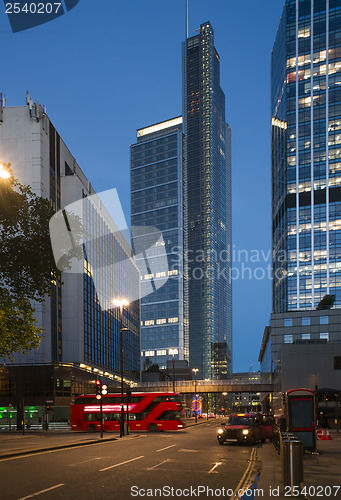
x=239, y=420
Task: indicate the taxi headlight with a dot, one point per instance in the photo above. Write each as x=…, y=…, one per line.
x=220, y=431
x=245, y=432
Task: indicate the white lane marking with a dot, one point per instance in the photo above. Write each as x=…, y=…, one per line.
x=42, y=491
x=122, y=463
x=162, y=449
x=158, y=465
x=188, y=451
x=213, y=468
x=85, y=461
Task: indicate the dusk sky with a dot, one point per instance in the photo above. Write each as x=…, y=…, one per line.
x=108, y=68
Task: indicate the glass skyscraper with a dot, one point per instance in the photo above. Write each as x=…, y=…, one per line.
x=208, y=181
x=306, y=155
x=158, y=200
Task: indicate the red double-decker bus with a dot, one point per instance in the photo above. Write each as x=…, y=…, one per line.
x=152, y=411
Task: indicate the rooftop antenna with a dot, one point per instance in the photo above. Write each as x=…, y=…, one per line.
x=186, y=19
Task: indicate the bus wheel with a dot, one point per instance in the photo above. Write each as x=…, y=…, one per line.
x=152, y=428
x=92, y=428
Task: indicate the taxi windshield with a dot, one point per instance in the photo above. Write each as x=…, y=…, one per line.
x=239, y=420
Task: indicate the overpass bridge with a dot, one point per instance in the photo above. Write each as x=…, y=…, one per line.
x=262, y=385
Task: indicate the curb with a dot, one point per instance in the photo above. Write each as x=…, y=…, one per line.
x=53, y=448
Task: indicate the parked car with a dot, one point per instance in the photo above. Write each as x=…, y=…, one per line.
x=266, y=427
x=241, y=428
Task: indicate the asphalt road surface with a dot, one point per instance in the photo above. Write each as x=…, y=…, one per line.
x=187, y=463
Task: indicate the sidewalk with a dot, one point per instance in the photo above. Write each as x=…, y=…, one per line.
x=13, y=444
x=320, y=471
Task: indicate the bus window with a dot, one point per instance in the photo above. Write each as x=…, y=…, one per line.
x=92, y=417
x=170, y=415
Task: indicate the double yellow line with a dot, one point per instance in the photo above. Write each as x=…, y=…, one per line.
x=245, y=480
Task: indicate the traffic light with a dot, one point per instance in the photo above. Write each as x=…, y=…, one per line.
x=98, y=389
x=104, y=389
x=48, y=407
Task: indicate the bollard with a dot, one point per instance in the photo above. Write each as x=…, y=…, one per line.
x=292, y=463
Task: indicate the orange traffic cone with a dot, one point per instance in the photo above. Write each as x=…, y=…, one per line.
x=328, y=436
x=319, y=434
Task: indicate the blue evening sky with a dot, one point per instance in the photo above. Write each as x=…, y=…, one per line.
x=107, y=68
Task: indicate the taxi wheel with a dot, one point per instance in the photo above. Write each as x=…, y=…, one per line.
x=221, y=442
x=92, y=428
x=263, y=440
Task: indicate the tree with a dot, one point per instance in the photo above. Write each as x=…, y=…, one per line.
x=26, y=260
x=27, y=267
x=18, y=326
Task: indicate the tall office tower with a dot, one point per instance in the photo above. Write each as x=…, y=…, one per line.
x=158, y=199
x=81, y=335
x=306, y=161
x=306, y=176
x=209, y=208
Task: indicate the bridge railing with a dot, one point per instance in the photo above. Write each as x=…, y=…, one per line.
x=264, y=378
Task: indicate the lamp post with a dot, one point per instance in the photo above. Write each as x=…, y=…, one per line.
x=225, y=400
x=173, y=351
x=121, y=303
x=195, y=370
x=4, y=173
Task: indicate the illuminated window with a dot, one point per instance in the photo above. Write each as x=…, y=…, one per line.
x=149, y=353
x=161, y=321
x=324, y=336
x=304, y=32
x=288, y=322
x=305, y=321
x=161, y=352
x=288, y=339
x=149, y=322
x=172, y=273
x=324, y=320
x=161, y=275
x=305, y=336
x=148, y=276
x=173, y=320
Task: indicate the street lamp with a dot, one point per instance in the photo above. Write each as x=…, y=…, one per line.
x=173, y=351
x=225, y=400
x=195, y=370
x=121, y=303
x=4, y=173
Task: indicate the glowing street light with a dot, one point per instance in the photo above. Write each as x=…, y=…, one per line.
x=4, y=173
x=122, y=303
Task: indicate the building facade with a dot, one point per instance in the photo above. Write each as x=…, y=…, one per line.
x=79, y=332
x=306, y=158
x=158, y=200
x=306, y=184
x=208, y=180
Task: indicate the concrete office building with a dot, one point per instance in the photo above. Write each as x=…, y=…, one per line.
x=81, y=338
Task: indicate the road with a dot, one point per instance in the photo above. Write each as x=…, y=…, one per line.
x=133, y=467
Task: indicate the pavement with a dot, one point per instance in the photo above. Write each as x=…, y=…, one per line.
x=15, y=443
x=321, y=470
